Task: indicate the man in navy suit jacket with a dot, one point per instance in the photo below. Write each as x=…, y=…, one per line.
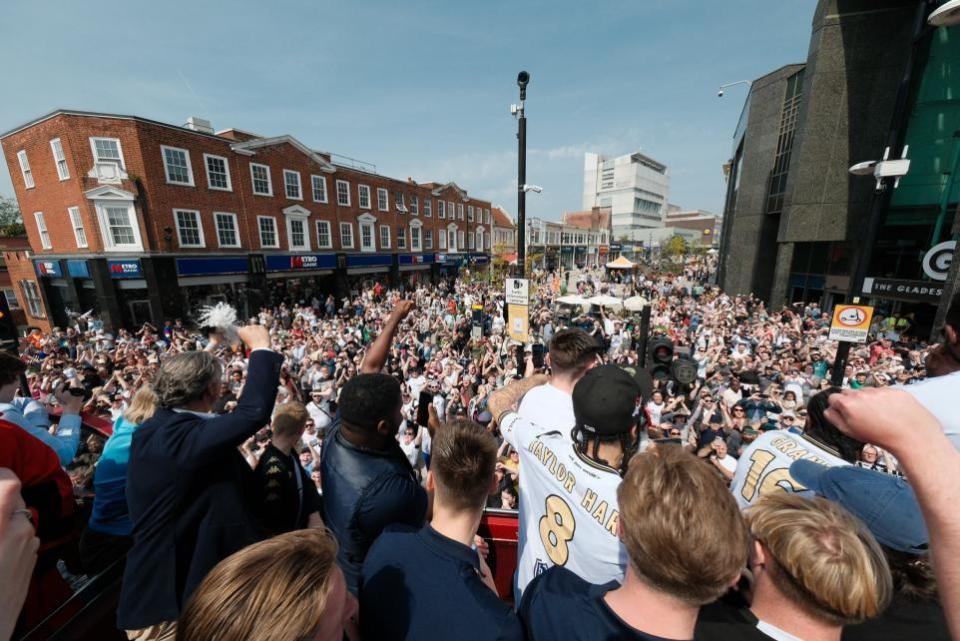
x=186, y=483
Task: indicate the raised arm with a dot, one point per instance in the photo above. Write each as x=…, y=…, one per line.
x=377, y=353
x=198, y=446
x=929, y=460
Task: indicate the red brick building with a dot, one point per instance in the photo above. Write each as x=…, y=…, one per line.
x=13, y=251
x=504, y=235
x=142, y=220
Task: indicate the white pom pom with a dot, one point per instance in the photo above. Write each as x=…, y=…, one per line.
x=222, y=318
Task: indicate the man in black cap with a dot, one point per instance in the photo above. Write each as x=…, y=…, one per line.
x=568, y=482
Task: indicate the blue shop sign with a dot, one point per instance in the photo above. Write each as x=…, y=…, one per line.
x=416, y=259
x=125, y=268
x=78, y=268
x=369, y=260
x=49, y=268
x=211, y=266
x=615, y=247
x=295, y=262
x=481, y=259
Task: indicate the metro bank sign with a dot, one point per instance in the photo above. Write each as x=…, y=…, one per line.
x=124, y=268
x=303, y=262
x=49, y=268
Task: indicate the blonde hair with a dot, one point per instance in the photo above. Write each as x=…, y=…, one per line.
x=142, y=406
x=823, y=559
x=289, y=419
x=274, y=590
x=669, y=498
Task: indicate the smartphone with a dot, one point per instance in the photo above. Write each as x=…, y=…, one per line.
x=537, y=356
x=423, y=408
x=521, y=360
x=76, y=391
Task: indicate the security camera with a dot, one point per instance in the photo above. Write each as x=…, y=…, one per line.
x=720, y=94
x=535, y=188
x=514, y=109
x=522, y=79
x=865, y=168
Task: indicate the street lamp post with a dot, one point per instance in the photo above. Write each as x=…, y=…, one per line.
x=523, y=78
x=882, y=171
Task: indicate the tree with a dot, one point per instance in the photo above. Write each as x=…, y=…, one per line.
x=11, y=222
x=676, y=246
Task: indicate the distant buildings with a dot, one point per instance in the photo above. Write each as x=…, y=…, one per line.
x=504, y=234
x=705, y=223
x=581, y=240
x=142, y=220
x=635, y=188
x=13, y=251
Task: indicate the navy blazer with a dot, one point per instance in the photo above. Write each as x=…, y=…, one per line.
x=186, y=488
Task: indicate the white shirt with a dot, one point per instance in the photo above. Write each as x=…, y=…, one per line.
x=655, y=411
x=320, y=413
x=415, y=385
x=728, y=463
x=568, y=507
x=776, y=633
x=548, y=407
x=939, y=396
x=764, y=466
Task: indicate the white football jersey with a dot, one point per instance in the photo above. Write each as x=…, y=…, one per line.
x=568, y=507
x=764, y=466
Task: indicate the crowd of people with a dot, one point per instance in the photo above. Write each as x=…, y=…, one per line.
x=321, y=472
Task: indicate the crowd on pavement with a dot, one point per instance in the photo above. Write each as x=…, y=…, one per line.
x=322, y=474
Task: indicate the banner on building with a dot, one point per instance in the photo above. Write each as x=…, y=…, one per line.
x=924, y=291
x=851, y=323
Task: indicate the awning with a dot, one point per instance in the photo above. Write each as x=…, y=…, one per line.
x=620, y=263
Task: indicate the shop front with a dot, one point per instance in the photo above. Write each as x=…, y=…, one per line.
x=208, y=281
x=136, y=302
x=365, y=270
x=299, y=278
x=415, y=269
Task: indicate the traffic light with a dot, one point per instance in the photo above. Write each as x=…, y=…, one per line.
x=9, y=338
x=660, y=361
x=684, y=370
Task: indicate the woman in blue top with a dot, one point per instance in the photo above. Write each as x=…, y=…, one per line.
x=108, y=533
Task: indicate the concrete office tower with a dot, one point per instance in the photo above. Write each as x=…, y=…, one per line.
x=635, y=187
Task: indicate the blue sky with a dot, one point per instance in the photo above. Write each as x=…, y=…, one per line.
x=420, y=89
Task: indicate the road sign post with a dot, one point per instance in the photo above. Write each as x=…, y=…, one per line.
x=850, y=324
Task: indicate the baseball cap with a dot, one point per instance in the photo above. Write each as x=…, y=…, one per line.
x=642, y=378
x=604, y=401
x=885, y=503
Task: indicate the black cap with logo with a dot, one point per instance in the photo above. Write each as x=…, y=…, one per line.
x=605, y=399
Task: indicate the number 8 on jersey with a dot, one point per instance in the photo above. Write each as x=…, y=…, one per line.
x=556, y=529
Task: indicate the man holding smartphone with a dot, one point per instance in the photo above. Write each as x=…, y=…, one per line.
x=32, y=416
x=572, y=354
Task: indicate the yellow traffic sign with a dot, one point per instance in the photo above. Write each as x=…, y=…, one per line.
x=851, y=323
